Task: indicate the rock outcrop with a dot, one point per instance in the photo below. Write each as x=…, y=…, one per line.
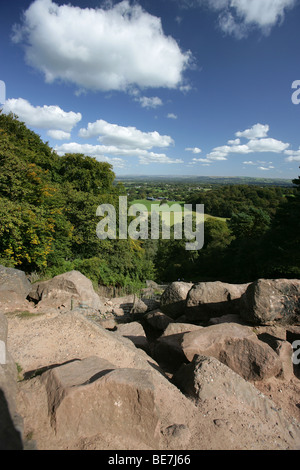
x=206, y=300
x=236, y=346
x=92, y=397
x=187, y=375
x=173, y=299
x=14, y=289
x=268, y=300
x=68, y=291
x=11, y=425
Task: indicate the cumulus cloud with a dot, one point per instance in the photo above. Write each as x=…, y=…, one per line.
x=59, y=135
x=293, y=155
x=42, y=117
x=152, y=102
x=124, y=137
x=159, y=158
x=238, y=17
x=193, y=150
x=255, y=132
x=171, y=116
x=100, y=49
x=267, y=145
x=101, y=151
x=258, y=142
x=203, y=161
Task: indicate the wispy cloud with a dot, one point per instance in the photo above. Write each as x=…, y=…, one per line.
x=172, y=116
x=239, y=17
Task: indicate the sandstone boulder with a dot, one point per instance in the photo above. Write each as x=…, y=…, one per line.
x=14, y=288
x=220, y=390
x=68, y=290
x=136, y=333
x=70, y=336
x=176, y=328
x=268, y=300
x=92, y=397
x=167, y=351
x=158, y=320
x=172, y=301
x=14, y=280
x=236, y=346
x=206, y=300
x=11, y=426
x=230, y=318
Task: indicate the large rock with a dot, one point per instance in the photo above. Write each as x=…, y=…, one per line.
x=10, y=422
x=167, y=351
x=68, y=290
x=56, y=338
x=14, y=281
x=236, y=346
x=176, y=328
x=268, y=300
x=172, y=301
x=207, y=300
x=158, y=320
x=220, y=390
x=92, y=397
x=136, y=333
x=14, y=288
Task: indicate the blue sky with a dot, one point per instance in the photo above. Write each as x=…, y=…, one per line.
x=164, y=87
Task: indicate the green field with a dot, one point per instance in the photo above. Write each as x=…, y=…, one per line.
x=148, y=204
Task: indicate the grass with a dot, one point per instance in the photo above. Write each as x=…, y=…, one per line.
x=148, y=204
x=20, y=372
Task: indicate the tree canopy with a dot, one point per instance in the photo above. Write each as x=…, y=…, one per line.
x=48, y=209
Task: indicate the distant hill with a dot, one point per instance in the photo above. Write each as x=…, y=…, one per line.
x=207, y=180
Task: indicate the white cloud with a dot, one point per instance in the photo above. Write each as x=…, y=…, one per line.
x=234, y=142
x=222, y=152
x=99, y=151
x=159, y=158
x=237, y=17
x=124, y=137
x=267, y=145
x=262, y=168
x=146, y=102
x=255, y=132
x=294, y=155
x=42, y=117
x=195, y=150
x=95, y=151
x=100, y=49
x=203, y=161
x=171, y=116
x=58, y=135
x=258, y=142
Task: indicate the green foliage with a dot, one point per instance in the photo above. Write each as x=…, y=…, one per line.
x=249, y=224
x=48, y=212
x=224, y=201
